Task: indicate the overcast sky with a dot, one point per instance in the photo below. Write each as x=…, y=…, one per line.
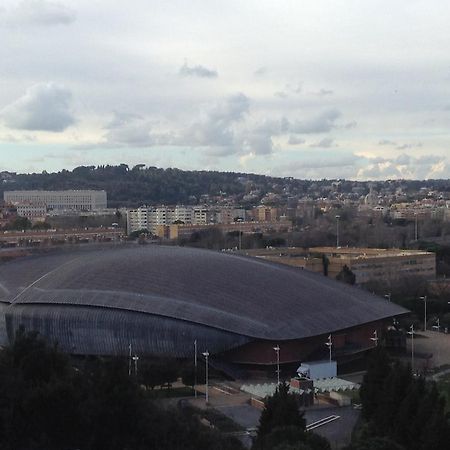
x=310, y=89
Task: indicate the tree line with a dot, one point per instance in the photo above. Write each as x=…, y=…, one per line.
x=400, y=410
x=48, y=404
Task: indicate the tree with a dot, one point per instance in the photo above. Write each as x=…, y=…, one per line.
x=346, y=275
x=281, y=411
x=378, y=369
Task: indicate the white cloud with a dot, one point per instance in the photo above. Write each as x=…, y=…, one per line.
x=197, y=71
x=44, y=107
x=324, y=143
x=39, y=12
x=217, y=126
x=320, y=123
x=295, y=140
x=324, y=92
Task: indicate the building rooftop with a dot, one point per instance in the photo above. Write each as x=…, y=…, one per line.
x=229, y=292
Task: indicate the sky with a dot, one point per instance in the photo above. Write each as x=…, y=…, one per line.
x=312, y=89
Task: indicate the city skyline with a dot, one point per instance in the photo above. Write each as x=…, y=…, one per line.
x=320, y=89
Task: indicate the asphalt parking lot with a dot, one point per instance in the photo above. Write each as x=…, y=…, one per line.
x=337, y=432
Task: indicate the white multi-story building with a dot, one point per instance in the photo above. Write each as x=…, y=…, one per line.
x=148, y=218
x=31, y=211
x=86, y=200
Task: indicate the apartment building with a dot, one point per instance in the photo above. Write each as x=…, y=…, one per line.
x=149, y=217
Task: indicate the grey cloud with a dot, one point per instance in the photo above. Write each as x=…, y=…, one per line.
x=386, y=142
x=295, y=140
x=350, y=125
x=129, y=130
x=217, y=126
x=260, y=71
x=44, y=107
x=197, y=71
x=408, y=146
x=314, y=165
x=259, y=144
x=403, y=159
x=404, y=166
x=325, y=92
x=321, y=123
x=280, y=94
x=39, y=12
x=324, y=143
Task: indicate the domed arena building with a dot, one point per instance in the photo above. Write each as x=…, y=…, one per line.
x=161, y=299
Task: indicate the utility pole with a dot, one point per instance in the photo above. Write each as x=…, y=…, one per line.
x=277, y=350
x=129, y=360
x=135, y=359
x=195, y=368
x=424, y=298
x=411, y=333
x=337, y=230
x=206, y=355
x=329, y=344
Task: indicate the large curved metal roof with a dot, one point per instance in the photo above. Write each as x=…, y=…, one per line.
x=225, y=291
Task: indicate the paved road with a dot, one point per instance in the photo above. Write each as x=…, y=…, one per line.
x=432, y=343
x=337, y=432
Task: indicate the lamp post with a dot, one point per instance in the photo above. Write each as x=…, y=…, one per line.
x=416, y=229
x=277, y=351
x=411, y=332
x=337, y=230
x=375, y=337
x=329, y=344
x=195, y=368
x=424, y=298
x=206, y=355
x=437, y=326
x=135, y=360
x=129, y=360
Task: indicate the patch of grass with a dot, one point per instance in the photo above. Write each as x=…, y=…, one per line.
x=221, y=421
x=184, y=391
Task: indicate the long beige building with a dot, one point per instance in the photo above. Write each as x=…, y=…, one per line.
x=83, y=200
x=368, y=264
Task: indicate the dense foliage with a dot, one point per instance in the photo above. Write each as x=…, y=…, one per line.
x=149, y=185
x=46, y=404
x=139, y=185
x=401, y=411
x=283, y=427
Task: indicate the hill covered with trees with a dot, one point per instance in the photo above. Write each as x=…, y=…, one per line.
x=134, y=186
x=138, y=185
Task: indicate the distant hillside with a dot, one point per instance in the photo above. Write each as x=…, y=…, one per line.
x=150, y=185
x=139, y=185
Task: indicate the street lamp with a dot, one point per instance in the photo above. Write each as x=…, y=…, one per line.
x=129, y=359
x=375, y=337
x=416, y=230
x=329, y=344
x=195, y=368
x=437, y=326
x=424, y=298
x=135, y=360
x=337, y=230
x=411, y=332
x=206, y=355
x=277, y=350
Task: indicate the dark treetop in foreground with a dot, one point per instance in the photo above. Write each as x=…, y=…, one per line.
x=46, y=404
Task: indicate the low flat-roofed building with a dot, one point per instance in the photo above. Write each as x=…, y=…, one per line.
x=79, y=200
x=368, y=264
